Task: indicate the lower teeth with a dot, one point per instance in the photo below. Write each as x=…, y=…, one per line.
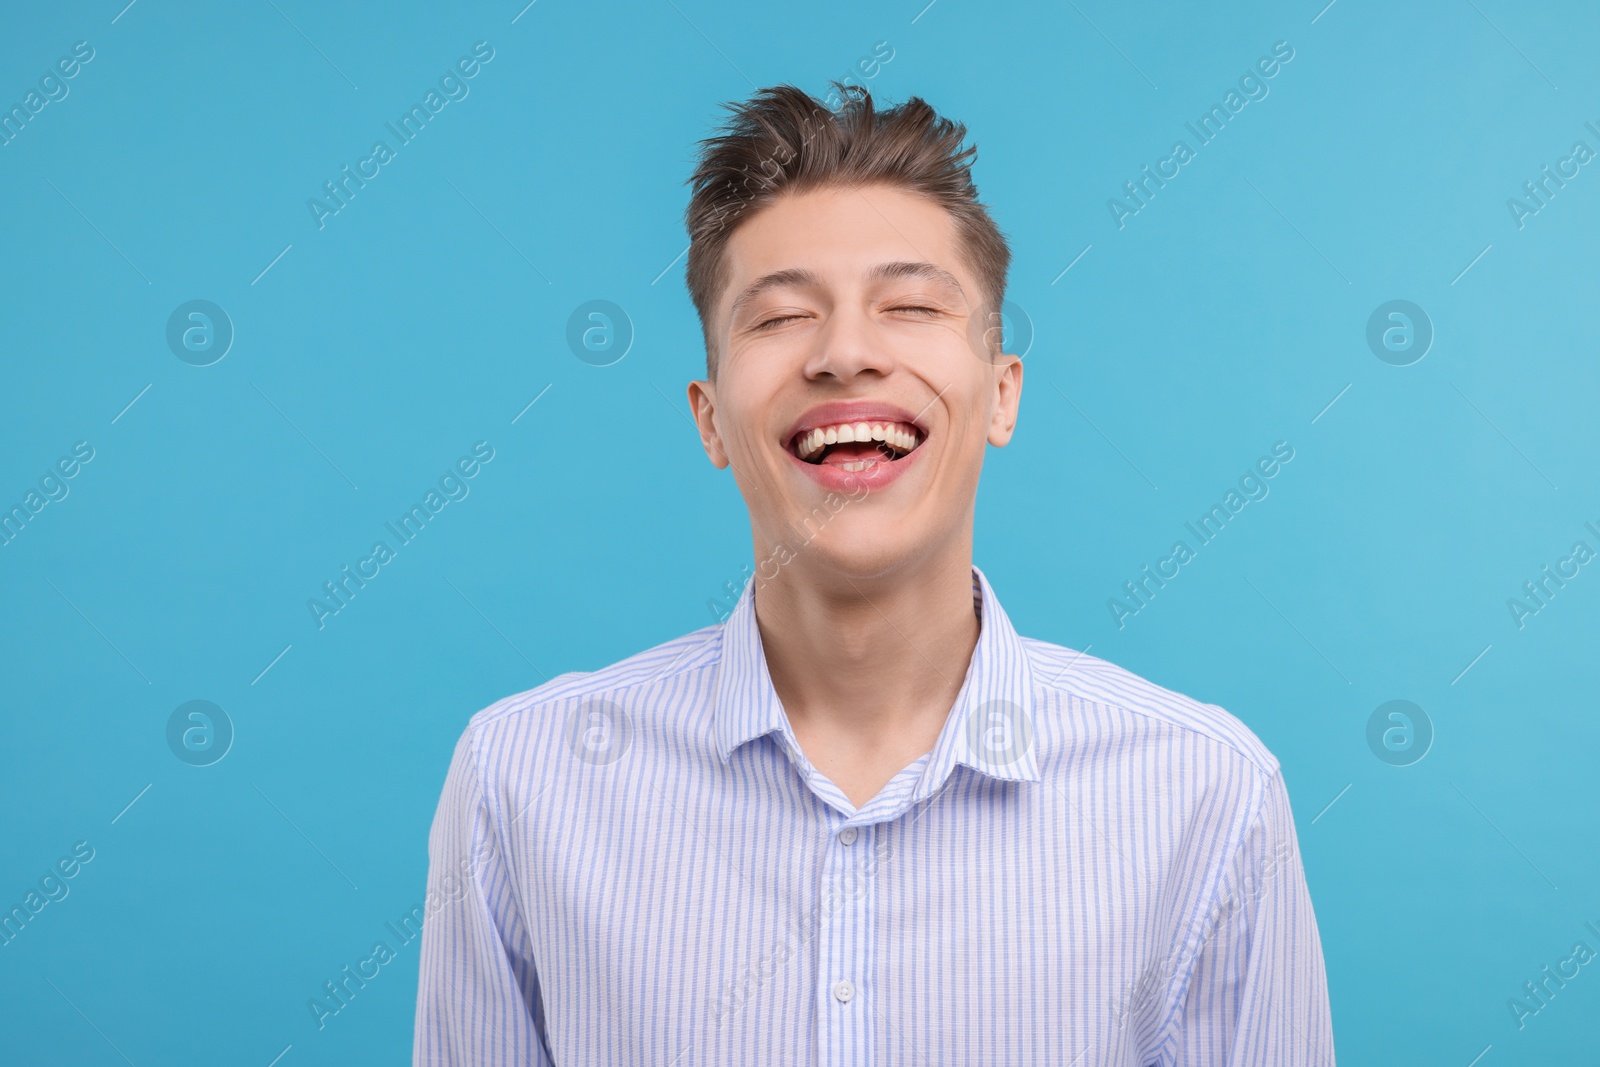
x=856, y=466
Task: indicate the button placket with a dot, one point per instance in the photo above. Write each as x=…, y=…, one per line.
x=845, y=936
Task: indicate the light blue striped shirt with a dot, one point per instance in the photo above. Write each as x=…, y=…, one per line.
x=640, y=866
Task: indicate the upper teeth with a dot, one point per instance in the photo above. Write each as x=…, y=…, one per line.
x=900, y=436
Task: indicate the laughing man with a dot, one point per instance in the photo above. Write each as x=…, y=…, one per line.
x=862, y=820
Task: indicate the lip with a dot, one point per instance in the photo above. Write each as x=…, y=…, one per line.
x=849, y=482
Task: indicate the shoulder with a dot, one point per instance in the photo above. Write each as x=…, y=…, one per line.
x=1070, y=673
x=547, y=703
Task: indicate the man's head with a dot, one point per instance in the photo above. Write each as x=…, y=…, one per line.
x=847, y=276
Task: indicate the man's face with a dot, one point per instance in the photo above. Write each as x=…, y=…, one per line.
x=850, y=310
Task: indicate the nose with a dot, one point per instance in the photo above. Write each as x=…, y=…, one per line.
x=848, y=345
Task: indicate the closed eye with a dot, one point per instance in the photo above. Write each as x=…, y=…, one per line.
x=780, y=319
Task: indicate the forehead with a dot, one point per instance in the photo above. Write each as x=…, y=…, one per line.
x=841, y=235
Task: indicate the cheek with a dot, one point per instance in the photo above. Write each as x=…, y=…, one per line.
x=745, y=421
x=967, y=439
x=750, y=454
x=744, y=440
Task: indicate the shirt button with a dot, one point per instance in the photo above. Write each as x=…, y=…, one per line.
x=843, y=991
x=847, y=836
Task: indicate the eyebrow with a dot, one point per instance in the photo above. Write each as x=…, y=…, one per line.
x=800, y=276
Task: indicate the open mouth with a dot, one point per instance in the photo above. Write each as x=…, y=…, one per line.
x=856, y=446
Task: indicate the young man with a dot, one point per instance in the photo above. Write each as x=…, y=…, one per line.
x=861, y=821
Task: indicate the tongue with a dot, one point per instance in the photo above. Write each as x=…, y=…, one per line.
x=853, y=452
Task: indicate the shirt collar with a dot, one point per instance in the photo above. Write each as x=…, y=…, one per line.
x=990, y=728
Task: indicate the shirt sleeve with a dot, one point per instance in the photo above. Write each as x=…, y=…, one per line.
x=478, y=1001
x=1258, y=993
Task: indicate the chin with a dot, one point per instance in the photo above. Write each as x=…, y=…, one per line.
x=860, y=554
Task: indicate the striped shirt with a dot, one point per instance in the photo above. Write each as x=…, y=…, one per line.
x=640, y=866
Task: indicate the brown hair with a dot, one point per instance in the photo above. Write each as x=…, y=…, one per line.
x=783, y=139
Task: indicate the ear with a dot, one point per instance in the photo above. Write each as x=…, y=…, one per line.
x=1008, y=395
x=703, y=403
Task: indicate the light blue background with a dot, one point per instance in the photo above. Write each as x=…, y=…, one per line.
x=427, y=314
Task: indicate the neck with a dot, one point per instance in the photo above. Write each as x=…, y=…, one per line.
x=870, y=658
